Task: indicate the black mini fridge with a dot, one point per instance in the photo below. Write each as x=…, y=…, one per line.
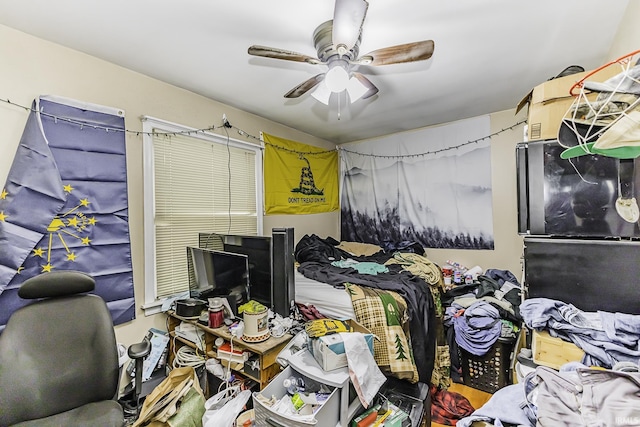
x=591, y=274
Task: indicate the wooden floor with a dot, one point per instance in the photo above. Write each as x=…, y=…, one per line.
x=476, y=397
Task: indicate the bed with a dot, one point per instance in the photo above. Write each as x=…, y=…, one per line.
x=331, y=301
x=341, y=291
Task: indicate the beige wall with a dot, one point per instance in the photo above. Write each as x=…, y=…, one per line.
x=627, y=39
x=32, y=67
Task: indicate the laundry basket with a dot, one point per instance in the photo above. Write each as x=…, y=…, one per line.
x=491, y=371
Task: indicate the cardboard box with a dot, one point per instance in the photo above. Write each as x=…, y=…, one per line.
x=549, y=102
x=553, y=352
x=328, y=350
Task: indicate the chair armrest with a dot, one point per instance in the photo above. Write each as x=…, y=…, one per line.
x=139, y=350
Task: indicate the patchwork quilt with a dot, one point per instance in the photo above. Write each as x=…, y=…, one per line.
x=384, y=313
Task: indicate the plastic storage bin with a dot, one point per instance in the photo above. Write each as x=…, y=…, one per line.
x=414, y=399
x=327, y=416
x=491, y=371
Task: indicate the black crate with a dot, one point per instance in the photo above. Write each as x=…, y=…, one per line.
x=491, y=371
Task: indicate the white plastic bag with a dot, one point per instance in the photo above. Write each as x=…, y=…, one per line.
x=222, y=410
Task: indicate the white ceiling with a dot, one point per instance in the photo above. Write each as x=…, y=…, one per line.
x=488, y=53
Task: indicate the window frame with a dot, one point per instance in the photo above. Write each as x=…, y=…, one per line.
x=152, y=304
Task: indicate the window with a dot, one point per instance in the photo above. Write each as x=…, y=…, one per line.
x=193, y=182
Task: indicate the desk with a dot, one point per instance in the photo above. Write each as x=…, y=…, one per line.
x=265, y=351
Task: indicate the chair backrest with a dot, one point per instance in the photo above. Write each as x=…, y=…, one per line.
x=57, y=353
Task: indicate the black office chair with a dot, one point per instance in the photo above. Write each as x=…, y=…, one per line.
x=58, y=356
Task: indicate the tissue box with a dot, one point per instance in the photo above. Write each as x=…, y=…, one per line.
x=328, y=350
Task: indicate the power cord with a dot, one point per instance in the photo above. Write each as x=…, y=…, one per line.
x=227, y=378
x=230, y=382
x=186, y=356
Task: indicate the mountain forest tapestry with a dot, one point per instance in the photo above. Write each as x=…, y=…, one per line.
x=431, y=186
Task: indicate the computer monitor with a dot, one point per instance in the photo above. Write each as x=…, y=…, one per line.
x=258, y=251
x=271, y=264
x=217, y=273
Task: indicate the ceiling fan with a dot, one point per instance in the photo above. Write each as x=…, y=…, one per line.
x=338, y=45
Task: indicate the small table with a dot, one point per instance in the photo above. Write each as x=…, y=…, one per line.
x=265, y=351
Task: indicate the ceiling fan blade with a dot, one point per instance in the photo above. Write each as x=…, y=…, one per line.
x=409, y=52
x=348, y=17
x=371, y=88
x=272, y=52
x=305, y=86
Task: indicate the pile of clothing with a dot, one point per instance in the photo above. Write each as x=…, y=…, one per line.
x=574, y=396
x=478, y=314
x=601, y=390
x=606, y=338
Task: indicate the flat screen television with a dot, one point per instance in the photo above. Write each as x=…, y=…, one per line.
x=572, y=197
x=257, y=249
x=217, y=273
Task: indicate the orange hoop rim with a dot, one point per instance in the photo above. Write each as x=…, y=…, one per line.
x=621, y=60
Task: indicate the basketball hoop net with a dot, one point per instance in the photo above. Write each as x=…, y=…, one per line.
x=609, y=123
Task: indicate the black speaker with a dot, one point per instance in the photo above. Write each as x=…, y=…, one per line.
x=283, y=291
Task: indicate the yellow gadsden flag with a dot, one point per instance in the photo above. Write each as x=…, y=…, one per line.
x=299, y=178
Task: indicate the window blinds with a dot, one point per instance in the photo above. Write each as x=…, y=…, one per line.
x=200, y=186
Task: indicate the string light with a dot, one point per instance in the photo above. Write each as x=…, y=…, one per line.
x=428, y=153
x=109, y=129
x=453, y=147
x=249, y=136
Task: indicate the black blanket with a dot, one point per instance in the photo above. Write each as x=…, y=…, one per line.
x=412, y=288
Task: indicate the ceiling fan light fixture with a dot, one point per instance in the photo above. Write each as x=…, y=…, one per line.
x=337, y=43
x=337, y=78
x=356, y=89
x=322, y=93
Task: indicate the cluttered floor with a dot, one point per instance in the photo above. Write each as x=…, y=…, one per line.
x=476, y=397
x=491, y=346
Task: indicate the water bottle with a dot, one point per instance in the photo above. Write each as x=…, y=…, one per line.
x=293, y=385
